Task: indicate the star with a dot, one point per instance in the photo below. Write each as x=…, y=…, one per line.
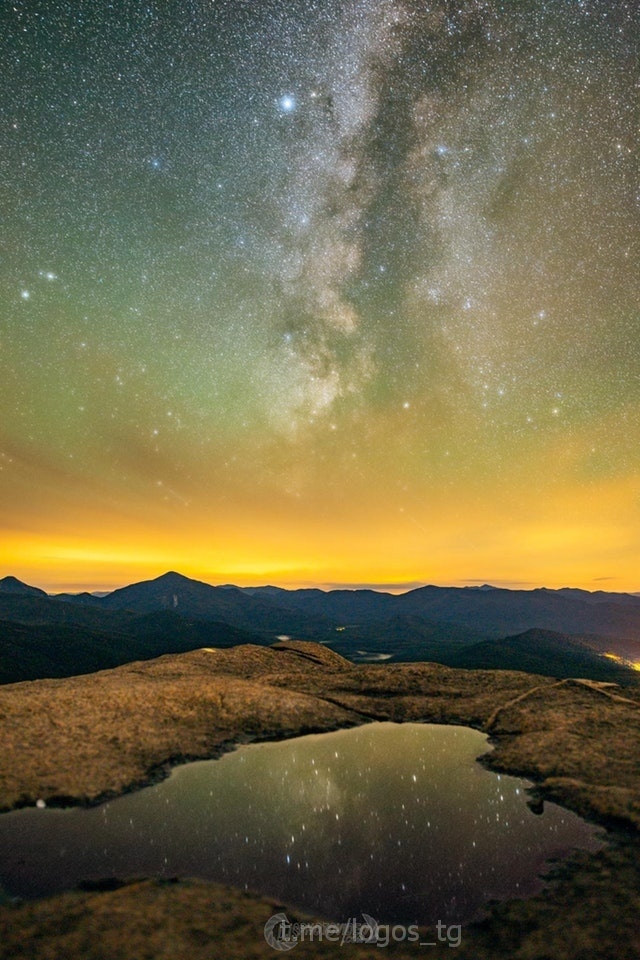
x=336, y=240
x=287, y=103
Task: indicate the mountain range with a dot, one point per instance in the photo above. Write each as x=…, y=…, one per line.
x=560, y=633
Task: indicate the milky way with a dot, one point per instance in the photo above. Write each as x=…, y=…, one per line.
x=339, y=290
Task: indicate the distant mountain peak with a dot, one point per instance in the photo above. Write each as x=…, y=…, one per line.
x=13, y=585
x=173, y=579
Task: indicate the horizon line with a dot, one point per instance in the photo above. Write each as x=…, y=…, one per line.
x=394, y=587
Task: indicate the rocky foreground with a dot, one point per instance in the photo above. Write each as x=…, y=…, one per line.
x=83, y=739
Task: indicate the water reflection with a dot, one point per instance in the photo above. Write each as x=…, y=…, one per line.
x=394, y=820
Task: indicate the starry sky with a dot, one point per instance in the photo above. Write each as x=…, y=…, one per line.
x=320, y=292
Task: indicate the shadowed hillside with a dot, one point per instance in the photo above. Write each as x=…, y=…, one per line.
x=60, y=636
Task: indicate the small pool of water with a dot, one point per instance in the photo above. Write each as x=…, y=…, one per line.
x=394, y=820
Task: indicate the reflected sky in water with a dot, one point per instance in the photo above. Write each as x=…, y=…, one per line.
x=395, y=820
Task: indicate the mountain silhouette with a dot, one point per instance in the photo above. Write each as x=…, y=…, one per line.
x=491, y=611
x=555, y=632
x=16, y=587
x=192, y=598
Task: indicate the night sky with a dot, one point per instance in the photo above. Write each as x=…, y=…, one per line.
x=320, y=292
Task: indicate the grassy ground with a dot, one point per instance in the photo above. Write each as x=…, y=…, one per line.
x=88, y=737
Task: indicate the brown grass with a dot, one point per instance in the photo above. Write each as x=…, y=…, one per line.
x=84, y=738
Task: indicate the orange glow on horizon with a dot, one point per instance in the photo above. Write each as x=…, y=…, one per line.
x=563, y=543
x=388, y=337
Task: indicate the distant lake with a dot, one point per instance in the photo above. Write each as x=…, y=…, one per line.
x=394, y=820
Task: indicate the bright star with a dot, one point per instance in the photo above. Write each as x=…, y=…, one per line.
x=287, y=104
